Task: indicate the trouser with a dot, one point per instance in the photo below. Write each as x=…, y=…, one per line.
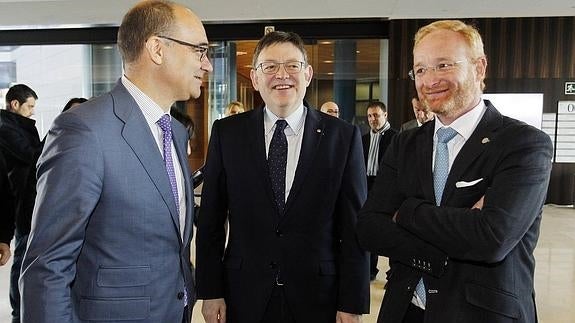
x=18, y=257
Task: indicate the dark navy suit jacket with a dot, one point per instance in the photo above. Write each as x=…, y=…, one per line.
x=313, y=244
x=477, y=265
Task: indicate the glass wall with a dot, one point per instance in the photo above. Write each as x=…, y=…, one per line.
x=350, y=72
x=59, y=72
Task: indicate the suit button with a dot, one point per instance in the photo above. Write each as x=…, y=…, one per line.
x=279, y=233
x=180, y=295
x=273, y=265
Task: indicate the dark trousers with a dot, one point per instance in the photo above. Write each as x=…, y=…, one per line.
x=277, y=310
x=372, y=256
x=18, y=257
x=414, y=314
x=187, y=318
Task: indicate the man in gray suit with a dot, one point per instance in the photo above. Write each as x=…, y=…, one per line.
x=422, y=115
x=111, y=231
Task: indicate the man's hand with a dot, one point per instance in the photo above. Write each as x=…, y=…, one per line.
x=4, y=253
x=479, y=204
x=214, y=310
x=343, y=317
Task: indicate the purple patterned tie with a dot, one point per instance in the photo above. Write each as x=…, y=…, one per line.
x=165, y=124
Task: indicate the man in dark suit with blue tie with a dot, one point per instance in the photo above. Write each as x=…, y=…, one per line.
x=290, y=180
x=112, y=226
x=457, y=203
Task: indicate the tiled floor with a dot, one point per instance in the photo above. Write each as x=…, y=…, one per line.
x=554, y=274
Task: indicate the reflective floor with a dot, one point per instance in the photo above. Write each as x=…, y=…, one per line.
x=554, y=274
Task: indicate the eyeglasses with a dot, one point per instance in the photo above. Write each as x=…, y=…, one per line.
x=440, y=68
x=292, y=67
x=203, y=50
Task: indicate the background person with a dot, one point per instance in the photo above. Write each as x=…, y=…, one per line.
x=330, y=108
x=422, y=115
x=375, y=143
x=20, y=147
x=73, y=102
x=234, y=107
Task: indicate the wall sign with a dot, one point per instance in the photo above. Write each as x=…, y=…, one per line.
x=570, y=88
x=565, y=135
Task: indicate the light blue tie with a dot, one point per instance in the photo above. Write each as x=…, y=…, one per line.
x=440, y=173
x=441, y=168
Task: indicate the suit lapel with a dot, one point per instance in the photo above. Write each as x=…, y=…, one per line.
x=424, y=153
x=137, y=135
x=473, y=148
x=313, y=132
x=180, y=142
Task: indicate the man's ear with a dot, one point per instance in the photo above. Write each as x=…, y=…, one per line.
x=481, y=67
x=308, y=73
x=14, y=105
x=154, y=50
x=254, y=77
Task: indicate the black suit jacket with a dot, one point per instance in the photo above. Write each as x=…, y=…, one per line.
x=313, y=244
x=477, y=265
x=384, y=142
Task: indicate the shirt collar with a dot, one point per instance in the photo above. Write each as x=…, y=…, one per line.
x=152, y=111
x=465, y=124
x=294, y=120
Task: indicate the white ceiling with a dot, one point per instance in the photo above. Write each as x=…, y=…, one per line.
x=69, y=13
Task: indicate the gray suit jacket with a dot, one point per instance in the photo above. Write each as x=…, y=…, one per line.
x=105, y=242
x=409, y=125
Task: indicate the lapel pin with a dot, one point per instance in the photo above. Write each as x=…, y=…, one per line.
x=485, y=140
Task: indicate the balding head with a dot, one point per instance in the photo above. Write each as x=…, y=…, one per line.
x=330, y=108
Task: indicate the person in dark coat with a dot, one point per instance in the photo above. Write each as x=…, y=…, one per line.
x=20, y=148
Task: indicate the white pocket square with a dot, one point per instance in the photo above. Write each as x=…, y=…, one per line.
x=467, y=184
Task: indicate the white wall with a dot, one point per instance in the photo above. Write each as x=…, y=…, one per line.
x=56, y=73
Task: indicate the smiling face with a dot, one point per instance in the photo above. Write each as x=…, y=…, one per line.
x=449, y=94
x=282, y=92
x=376, y=118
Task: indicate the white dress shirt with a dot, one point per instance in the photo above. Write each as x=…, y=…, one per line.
x=294, y=134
